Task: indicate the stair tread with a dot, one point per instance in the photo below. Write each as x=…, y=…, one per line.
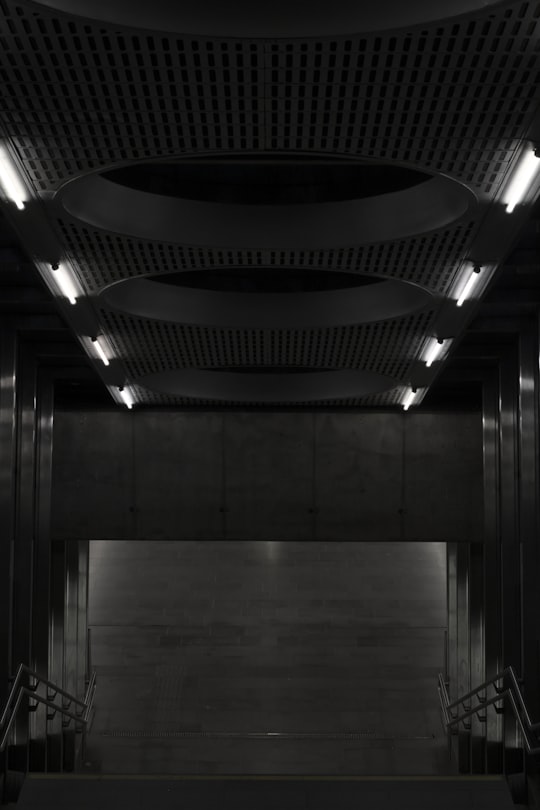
x=48, y=792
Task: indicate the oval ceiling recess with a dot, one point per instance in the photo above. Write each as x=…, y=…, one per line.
x=265, y=298
x=266, y=201
x=273, y=386
x=281, y=18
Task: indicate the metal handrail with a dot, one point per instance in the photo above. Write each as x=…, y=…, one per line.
x=88, y=654
x=17, y=693
x=453, y=717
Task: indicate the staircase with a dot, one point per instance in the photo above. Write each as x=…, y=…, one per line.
x=52, y=792
x=89, y=791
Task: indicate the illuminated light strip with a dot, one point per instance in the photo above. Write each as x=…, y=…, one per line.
x=10, y=181
x=126, y=397
x=114, y=391
x=408, y=401
x=521, y=180
x=435, y=350
x=65, y=283
x=467, y=289
x=100, y=350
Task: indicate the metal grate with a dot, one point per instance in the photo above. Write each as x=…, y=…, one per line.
x=150, y=346
x=454, y=97
x=103, y=258
x=384, y=400
x=81, y=94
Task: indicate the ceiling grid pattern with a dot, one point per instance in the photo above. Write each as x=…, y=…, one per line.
x=103, y=258
x=96, y=95
x=158, y=346
x=453, y=97
x=388, y=399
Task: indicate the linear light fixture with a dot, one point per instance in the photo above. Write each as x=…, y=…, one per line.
x=409, y=399
x=11, y=183
x=97, y=343
x=433, y=352
x=521, y=179
x=469, y=285
x=65, y=283
x=126, y=397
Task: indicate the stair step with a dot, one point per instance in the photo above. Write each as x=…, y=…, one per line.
x=107, y=792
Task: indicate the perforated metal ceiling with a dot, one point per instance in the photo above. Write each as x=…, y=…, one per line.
x=104, y=258
x=455, y=97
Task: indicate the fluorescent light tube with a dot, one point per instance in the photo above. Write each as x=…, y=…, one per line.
x=521, y=180
x=407, y=402
x=65, y=283
x=467, y=289
x=10, y=181
x=434, y=352
x=101, y=352
x=126, y=396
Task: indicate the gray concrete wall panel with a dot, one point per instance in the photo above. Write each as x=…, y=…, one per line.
x=322, y=639
x=93, y=475
x=178, y=479
x=358, y=476
x=443, y=477
x=268, y=469
x=267, y=476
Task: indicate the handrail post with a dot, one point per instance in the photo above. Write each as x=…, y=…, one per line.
x=70, y=707
x=88, y=655
x=461, y=711
x=446, y=657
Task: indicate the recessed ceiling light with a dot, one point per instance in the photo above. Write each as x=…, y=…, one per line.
x=10, y=180
x=469, y=285
x=433, y=352
x=126, y=397
x=521, y=179
x=64, y=282
x=98, y=344
x=409, y=399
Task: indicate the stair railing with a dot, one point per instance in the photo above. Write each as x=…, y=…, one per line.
x=464, y=708
x=70, y=707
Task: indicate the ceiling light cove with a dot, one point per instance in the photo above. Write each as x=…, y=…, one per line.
x=65, y=282
x=522, y=179
x=409, y=398
x=266, y=298
x=273, y=385
x=11, y=182
x=266, y=179
x=285, y=201
x=281, y=18
x=126, y=397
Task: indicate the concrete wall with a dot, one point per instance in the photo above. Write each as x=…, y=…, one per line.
x=321, y=639
x=286, y=476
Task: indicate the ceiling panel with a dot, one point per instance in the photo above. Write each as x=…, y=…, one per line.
x=428, y=260
x=456, y=97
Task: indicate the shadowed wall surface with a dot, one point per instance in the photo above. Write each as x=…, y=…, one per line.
x=201, y=649
x=267, y=476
